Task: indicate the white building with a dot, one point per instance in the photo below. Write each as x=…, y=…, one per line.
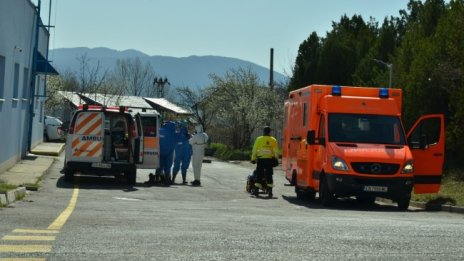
x=23, y=68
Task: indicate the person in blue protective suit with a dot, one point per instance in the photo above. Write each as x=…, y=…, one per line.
x=167, y=134
x=182, y=153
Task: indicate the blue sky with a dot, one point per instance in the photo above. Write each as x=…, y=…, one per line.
x=244, y=29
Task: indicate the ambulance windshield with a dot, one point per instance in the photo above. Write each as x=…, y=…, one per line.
x=360, y=128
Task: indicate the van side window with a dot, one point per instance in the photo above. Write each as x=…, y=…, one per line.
x=428, y=130
x=149, y=126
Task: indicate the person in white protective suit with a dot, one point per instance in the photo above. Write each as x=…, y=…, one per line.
x=198, y=141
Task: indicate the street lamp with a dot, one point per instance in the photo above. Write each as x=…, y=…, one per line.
x=390, y=68
x=158, y=84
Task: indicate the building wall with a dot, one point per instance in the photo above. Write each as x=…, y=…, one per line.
x=17, y=40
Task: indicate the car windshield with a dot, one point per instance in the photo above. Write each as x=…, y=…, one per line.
x=359, y=128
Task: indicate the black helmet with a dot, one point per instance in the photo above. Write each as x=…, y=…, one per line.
x=266, y=130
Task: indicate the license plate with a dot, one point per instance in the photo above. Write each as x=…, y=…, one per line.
x=101, y=165
x=375, y=188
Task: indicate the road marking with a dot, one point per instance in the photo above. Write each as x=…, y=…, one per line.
x=29, y=238
x=26, y=248
x=35, y=231
x=22, y=259
x=133, y=199
x=63, y=217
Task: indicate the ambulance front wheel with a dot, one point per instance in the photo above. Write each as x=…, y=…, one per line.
x=403, y=203
x=325, y=196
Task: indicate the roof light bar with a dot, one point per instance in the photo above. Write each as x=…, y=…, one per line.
x=336, y=90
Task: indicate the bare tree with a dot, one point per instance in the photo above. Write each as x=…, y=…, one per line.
x=90, y=78
x=200, y=102
x=134, y=77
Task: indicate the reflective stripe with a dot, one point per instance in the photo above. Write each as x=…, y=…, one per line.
x=88, y=140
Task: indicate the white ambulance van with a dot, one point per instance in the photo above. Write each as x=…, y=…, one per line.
x=110, y=141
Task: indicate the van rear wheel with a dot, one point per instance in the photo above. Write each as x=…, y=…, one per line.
x=68, y=174
x=131, y=176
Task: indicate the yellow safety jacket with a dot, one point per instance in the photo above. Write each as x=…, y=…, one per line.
x=265, y=147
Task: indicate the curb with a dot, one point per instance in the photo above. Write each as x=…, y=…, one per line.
x=45, y=152
x=11, y=196
x=429, y=206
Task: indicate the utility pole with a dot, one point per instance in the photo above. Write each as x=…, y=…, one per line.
x=271, y=73
x=390, y=68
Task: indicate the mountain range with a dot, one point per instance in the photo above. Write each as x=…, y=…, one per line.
x=192, y=71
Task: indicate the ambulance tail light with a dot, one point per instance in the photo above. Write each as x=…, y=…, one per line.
x=383, y=93
x=336, y=90
x=133, y=133
x=71, y=129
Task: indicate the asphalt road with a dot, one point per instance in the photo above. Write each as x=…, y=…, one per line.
x=103, y=219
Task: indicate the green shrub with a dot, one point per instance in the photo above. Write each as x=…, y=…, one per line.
x=224, y=152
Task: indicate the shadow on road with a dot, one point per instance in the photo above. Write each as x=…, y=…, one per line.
x=349, y=204
x=106, y=183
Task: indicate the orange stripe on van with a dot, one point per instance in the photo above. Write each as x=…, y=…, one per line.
x=95, y=150
x=75, y=142
x=94, y=126
x=150, y=142
x=85, y=121
x=82, y=149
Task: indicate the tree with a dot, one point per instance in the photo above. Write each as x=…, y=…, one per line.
x=133, y=77
x=200, y=103
x=243, y=104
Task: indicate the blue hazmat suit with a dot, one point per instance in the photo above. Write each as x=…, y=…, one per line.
x=167, y=134
x=183, y=152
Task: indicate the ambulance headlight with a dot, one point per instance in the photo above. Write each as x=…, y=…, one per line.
x=338, y=163
x=408, y=167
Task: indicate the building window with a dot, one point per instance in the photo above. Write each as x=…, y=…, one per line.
x=2, y=76
x=16, y=81
x=25, y=83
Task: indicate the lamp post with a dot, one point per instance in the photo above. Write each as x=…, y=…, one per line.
x=390, y=68
x=158, y=84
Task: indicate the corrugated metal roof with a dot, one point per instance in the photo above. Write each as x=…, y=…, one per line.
x=167, y=105
x=118, y=100
x=134, y=102
x=72, y=97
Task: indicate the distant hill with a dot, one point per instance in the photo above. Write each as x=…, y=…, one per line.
x=189, y=71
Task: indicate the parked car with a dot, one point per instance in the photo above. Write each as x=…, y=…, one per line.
x=53, y=129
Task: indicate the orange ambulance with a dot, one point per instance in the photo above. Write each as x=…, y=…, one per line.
x=343, y=141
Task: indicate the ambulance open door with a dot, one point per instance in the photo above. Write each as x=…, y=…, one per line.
x=426, y=140
x=148, y=142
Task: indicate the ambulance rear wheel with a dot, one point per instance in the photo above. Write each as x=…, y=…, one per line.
x=68, y=174
x=299, y=193
x=131, y=176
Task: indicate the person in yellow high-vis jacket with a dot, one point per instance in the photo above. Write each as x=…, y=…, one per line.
x=265, y=154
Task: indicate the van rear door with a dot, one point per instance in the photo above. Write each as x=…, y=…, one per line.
x=87, y=142
x=148, y=128
x=426, y=140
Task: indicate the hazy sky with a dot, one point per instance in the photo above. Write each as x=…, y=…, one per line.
x=244, y=29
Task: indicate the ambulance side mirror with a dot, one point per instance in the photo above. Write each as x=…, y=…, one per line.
x=311, y=137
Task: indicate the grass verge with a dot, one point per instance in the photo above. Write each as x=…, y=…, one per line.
x=4, y=187
x=451, y=191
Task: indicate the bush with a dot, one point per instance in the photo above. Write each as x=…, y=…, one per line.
x=224, y=152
